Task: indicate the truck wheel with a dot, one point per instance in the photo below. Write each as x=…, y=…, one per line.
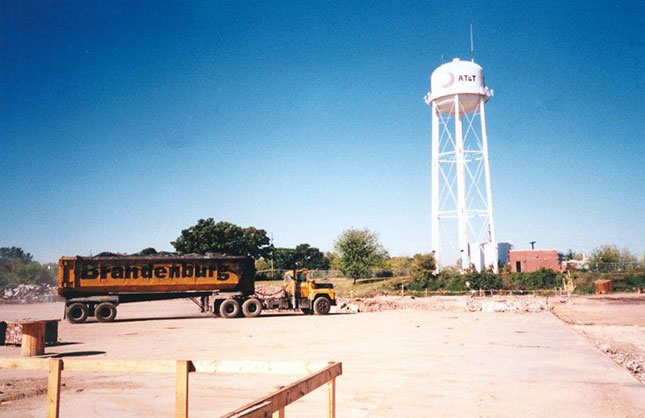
x=229, y=308
x=251, y=308
x=322, y=306
x=77, y=313
x=105, y=312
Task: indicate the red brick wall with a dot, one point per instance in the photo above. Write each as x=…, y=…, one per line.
x=533, y=260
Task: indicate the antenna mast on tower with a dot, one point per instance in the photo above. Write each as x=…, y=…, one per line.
x=472, y=47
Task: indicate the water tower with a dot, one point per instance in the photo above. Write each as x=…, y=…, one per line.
x=462, y=206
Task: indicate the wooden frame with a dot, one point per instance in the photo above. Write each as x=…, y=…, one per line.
x=317, y=374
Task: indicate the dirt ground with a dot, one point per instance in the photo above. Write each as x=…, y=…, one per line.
x=414, y=361
x=613, y=323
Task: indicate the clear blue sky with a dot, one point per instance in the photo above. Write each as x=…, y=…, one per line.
x=122, y=123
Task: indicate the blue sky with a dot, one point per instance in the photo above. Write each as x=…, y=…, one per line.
x=121, y=124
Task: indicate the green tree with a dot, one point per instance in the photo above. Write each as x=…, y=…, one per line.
x=148, y=251
x=223, y=237
x=605, y=254
x=303, y=256
x=399, y=265
x=14, y=254
x=422, y=268
x=17, y=267
x=360, y=251
x=610, y=254
x=627, y=257
x=334, y=260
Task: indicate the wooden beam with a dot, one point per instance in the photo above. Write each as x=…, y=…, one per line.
x=283, y=397
x=53, y=388
x=24, y=363
x=181, y=388
x=136, y=366
x=261, y=408
x=258, y=367
x=168, y=366
x=331, y=408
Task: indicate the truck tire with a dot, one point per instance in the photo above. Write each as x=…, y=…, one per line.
x=77, y=313
x=322, y=306
x=252, y=308
x=229, y=308
x=105, y=312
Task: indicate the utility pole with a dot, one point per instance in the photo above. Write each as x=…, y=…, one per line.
x=272, y=256
x=532, y=245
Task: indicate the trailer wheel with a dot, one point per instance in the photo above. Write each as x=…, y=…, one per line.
x=77, y=313
x=229, y=308
x=105, y=312
x=322, y=306
x=251, y=308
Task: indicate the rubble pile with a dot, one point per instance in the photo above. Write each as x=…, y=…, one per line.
x=376, y=304
x=635, y=364
x=516, y=304
x=27, y=293
x=505, y=304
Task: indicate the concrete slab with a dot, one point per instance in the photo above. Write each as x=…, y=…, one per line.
x=396, y=364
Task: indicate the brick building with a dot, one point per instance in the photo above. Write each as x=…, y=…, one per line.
x=523, y=261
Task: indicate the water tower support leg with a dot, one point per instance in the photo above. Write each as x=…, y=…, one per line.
x=434, y=189
x=489, y=193
x=462, y=220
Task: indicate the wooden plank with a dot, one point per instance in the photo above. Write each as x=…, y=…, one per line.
x=53, y=388
x=258, y=367
x=168, y=366
x=24, y=363
x=135, y=366
x=181, y=388
x=287, y=395
x=331, y=407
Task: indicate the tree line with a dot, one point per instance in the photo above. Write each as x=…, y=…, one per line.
x=357, y=254
x=18, y=267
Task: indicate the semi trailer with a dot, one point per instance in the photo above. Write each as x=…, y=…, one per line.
x=221, y=284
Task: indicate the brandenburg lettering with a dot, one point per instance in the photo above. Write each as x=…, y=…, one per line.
x=151, y=271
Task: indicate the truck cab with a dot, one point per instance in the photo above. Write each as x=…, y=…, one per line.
x=307, y=295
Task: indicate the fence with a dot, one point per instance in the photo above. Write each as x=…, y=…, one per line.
x=274, y=403
x=616, y=267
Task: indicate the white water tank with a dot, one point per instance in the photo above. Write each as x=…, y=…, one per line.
x=464, y=78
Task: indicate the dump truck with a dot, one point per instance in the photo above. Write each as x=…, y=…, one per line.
x=221, y=284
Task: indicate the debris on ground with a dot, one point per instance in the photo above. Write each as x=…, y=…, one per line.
x=507, y=304
x=444, y=303
x=632, y=362
x=28, y=293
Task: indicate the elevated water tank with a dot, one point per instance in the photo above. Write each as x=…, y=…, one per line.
x=464, y=78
